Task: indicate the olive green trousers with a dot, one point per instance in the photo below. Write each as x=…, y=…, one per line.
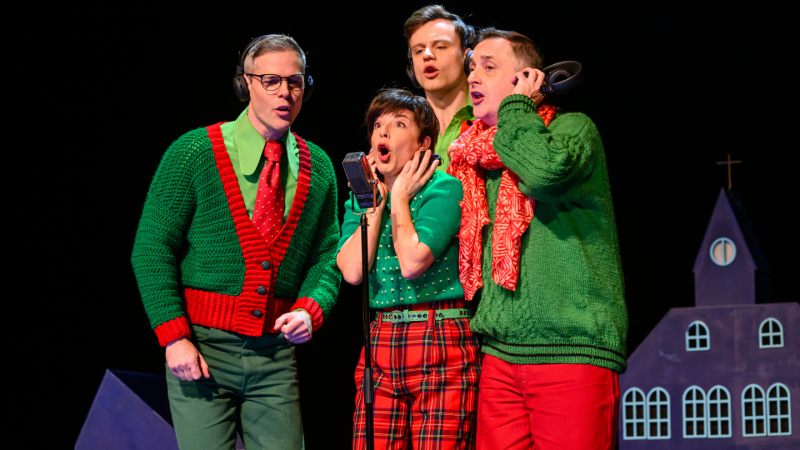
x=253, y=389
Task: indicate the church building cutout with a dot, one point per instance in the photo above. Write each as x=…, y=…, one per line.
x=726, y=373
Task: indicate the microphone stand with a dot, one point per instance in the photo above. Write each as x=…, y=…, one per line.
x=367, y=383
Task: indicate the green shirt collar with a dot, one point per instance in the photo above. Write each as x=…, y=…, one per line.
x=465, y=113
x=452, y=132
x=250, y=145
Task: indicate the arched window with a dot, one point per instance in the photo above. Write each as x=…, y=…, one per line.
x=770, y=334
x=697, y=337
x=779, y=413
x=658, y=414
x=719, y=412
x=753, y=414
x=694, y=413
x=634, y=414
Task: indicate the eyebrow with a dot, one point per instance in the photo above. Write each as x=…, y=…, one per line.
x=437, y=41
x=403, y=116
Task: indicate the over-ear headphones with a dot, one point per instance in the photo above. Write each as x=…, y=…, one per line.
x=240, y=84
x=561, y=77
x=468, y=36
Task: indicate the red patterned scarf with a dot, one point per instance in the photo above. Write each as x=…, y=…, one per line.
x=473, y=153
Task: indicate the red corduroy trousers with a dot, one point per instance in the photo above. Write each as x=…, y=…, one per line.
x=546, y=406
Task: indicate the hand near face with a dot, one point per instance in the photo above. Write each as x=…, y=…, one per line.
x=413, y=176
x=529, y=85
x=371, y=160
x=381, y=185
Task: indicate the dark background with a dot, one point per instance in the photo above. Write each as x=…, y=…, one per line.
x=673, y=88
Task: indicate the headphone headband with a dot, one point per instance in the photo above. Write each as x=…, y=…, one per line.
x=240, y=84
x=243, y=55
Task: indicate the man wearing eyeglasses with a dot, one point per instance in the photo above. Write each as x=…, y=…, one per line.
x=235, y=257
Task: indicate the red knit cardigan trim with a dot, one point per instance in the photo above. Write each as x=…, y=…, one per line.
x=238, y=313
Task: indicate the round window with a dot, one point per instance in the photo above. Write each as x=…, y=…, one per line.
x=723, y=251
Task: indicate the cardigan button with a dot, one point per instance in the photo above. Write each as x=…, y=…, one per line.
x=261, y=290
x=257, y=313
x=266, y=265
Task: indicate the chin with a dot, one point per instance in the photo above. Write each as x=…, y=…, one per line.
x=281, y=124
x=388, y=170
x=481, y=113
x=436, y=84
x=381, y=167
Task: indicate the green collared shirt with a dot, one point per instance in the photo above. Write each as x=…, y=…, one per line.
x=452, y=133
x=245, y=147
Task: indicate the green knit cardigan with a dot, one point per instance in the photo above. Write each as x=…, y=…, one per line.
x=569, y=304
x=198, y=258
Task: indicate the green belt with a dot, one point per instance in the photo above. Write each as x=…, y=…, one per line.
x=407, y=316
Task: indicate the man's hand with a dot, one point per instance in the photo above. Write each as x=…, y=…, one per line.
x=414, y=175
x=295, y=325
x=184, y=361
x=529, y=85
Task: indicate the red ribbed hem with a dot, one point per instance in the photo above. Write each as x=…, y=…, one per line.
x=313, y=309
x=173, y=329
x=238, y=314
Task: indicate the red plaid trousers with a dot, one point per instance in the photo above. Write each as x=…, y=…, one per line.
x=426, y=383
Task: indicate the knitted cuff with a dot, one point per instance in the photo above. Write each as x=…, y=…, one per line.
x=516, y=102
x=313, y=310
x=173, y=329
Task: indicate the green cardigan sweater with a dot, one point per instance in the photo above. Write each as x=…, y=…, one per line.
x=199, y=259
x=569, y=304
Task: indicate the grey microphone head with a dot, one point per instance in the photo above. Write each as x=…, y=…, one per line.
x=361, y=180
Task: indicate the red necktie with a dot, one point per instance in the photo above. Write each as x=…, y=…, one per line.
x=268, y=212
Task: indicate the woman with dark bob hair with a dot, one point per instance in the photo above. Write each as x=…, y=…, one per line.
x=426, y=361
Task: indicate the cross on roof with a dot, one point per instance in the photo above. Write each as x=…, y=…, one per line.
x=728, y=163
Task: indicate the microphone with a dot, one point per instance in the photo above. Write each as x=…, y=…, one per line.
x=561, y=77
x=361, y=180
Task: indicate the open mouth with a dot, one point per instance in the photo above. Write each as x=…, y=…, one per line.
x=383, y=153
x=430, y=71
x=284, y=109
x=476, y=97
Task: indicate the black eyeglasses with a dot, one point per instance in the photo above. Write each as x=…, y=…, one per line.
x=272, y=82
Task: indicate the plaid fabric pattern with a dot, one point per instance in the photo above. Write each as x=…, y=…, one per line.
x=426, y=383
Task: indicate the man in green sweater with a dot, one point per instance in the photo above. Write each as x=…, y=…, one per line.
x=538, y=250
x=235, y=257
